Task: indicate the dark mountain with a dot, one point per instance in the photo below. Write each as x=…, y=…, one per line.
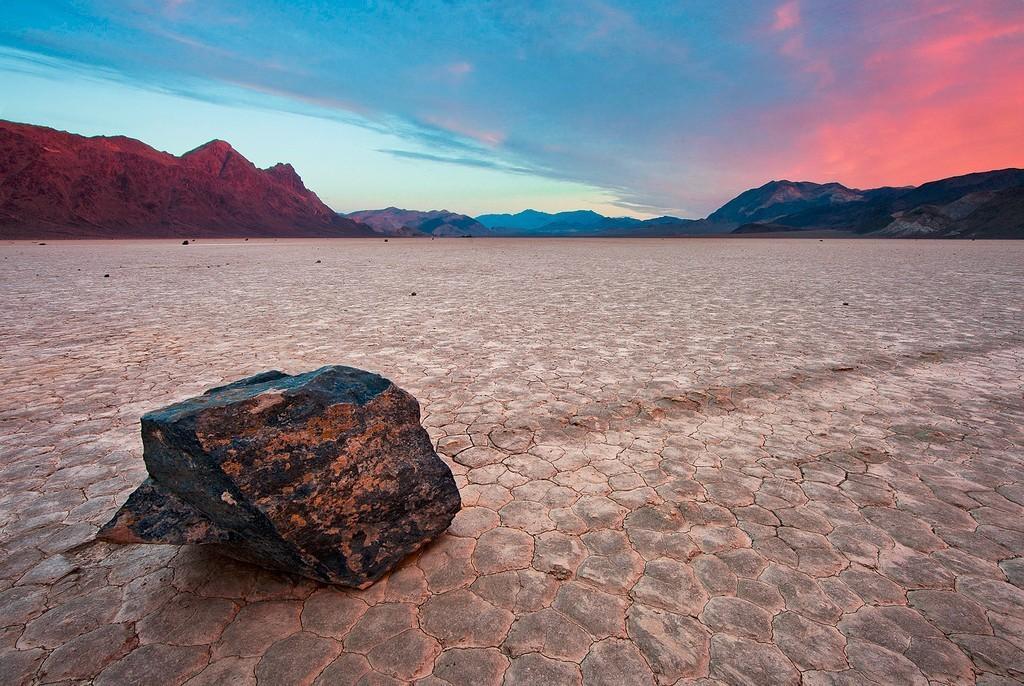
x=586, y=223
x=60, y=185
x=393, y=221
x=978, y=205
x=945, y=191
x=779, y=198
x=532, y=219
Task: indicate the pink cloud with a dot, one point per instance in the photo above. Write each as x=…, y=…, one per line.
x=459, y=69
x=787, y=16
x=938, y=91
x=490, y=138
x=942, y=100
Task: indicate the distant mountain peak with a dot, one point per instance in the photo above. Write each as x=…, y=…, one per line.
x=778, y=198
x=213, y=147
x=394, y=221
x=286, y=174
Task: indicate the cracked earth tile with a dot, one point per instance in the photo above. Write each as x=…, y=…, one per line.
x=406, y=584
x=470, y=522
x=744, y=562
x=471, y=666
x=715, y=575
x=765, y=596
x=461, y=618
x=379, y=623
x=718, y=539
x=298, y=659
x=85, y=656
x=346, y=670
x=964, y=564
x=188, y=620
x=940, y=660
x=332, y=613
x=809, y=644
x=524, y=515
x=558, y=554
x=406, y=656
x=913, y=570
x=534, y=669
x=675, y=646
x=739, y=661
x=882, y=665
x=446, y=563
x=997, y=596
x=600, y=613
x=237, y=671
x=870, y=624
x=801, y=593
x=951, y=612
x=670, y=585
x=18, y=666
x=873, y=588
x=503, y=549
x=599, y=512
x=20, y=605
x=258, y=626
x=74, y=618
x=738, y=617
x=547, y=632
x=992, y=654
x=155, y=663
x=615, y=662
x=516, y=590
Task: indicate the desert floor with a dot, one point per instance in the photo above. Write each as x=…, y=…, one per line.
x=695, y=461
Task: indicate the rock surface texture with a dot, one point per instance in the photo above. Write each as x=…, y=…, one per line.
x=327, y=474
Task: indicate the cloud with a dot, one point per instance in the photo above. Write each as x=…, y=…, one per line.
x=787, y=16
x=459, y=69
x=461, y=161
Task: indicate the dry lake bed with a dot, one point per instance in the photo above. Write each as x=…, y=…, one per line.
x=681, y=461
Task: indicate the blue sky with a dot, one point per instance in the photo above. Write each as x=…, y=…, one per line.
x=624, y=107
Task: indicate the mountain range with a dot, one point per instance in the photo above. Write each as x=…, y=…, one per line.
x=60, y=185
x=979, y=205
x=392, y=221
x=55, y=184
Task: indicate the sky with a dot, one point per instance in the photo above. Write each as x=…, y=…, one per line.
x=634, y=107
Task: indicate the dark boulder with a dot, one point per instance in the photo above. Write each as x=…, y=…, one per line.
x=327, y=474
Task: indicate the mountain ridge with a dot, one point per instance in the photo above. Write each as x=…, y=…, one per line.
x=395, y=221
x=55, y=184
x=944, y=208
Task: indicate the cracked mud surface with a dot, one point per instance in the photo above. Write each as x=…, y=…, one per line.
x=681, y=461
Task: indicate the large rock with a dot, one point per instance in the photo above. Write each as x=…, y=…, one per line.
x=327, y=474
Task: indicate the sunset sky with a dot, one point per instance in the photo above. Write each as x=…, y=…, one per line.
x=637, y=107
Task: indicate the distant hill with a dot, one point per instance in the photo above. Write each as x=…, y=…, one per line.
x=979, y=205
x=60, y=185
x=532, y=219
x=392, y=221
x=778, y=198
x=584, y=223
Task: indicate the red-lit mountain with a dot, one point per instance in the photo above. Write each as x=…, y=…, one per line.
x=60, y=185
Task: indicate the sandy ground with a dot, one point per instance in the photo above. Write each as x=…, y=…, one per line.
x=746, y=462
